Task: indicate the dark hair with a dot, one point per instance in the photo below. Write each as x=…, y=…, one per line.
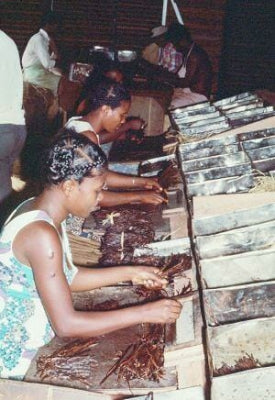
x=106, y=93
x=98, y=76
x=176, y=32
x=71, y=156
x=50, y=18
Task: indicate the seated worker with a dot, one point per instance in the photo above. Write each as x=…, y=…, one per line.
x=195, y=71
x=107, y=70
x=106, y=110
x=41, y=54
x=151, y=52
x=183, y=65
x=40, y=60
x=161, y=51
x=36, y=278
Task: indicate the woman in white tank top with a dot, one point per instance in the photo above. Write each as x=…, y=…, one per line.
x=36, y=281
x=106, y=108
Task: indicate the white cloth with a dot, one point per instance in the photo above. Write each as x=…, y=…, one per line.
x=79, y=126
x=11, y=83
x=185, y=97
x=37, y=51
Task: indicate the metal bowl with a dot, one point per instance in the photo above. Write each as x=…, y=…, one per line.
x=126, y=55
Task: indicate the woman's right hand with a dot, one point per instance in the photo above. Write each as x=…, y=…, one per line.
x=165, y=311
x=149, y=197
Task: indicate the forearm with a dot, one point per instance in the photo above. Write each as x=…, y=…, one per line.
x=110, y=199
x=89, y=324
x=117, y=180
x=106, y=137
x=92, y=278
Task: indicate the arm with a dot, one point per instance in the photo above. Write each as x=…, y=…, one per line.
x=111, y=199
x=54, y=53
x=91, y=278
x=157, y=73
x=39, y=246
x=133, y=123
x=43, y=53
x=117, y=180
x=198, y=74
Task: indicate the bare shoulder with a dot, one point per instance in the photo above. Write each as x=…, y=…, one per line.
x=37, y=240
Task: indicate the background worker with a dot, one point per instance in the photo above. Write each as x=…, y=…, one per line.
x=12, y=119
x=107, y=107
x=41, y=55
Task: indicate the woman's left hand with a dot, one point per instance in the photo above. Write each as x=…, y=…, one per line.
x=150, y=277
x=135, y=123
x=152, y=183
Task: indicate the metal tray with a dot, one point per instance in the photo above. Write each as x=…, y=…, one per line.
x=206, y=143
x=227, y=160
x=214, y=128
x=246, y=96
x=204, y=121
x=183, y=118
x=165, y=248
x=263, y=133
x=233, y=184
x=249, y=113
x=217, y=173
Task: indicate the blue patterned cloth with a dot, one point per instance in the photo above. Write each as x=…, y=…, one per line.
x=24, y=325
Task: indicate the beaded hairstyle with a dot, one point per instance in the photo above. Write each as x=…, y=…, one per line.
x=107, y=93
x=71, y=156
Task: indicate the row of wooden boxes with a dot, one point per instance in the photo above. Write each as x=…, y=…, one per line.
x=232, y=233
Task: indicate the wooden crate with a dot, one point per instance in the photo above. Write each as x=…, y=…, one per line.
x=256, y=384
x=190, y=364
x=214, y=214
x=253, y=266
x=239, y=303
x=235, y=241
x=151, y=111
x=241, y=345
x=17, y=390
x=193, y=393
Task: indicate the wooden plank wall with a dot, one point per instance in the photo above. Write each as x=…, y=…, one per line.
x=248, y=60
x=90, y=22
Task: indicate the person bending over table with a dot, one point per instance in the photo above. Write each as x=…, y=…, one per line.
x=36, y=278
x=106, y=110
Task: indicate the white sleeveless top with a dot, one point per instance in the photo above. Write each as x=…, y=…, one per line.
x=79, y=126
x=24, y=325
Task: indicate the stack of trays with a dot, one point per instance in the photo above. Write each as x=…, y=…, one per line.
x=199, y=119
x=215, y=166
x=243, y=109
x=206, y=119
x=260, y=148
x=234, y=241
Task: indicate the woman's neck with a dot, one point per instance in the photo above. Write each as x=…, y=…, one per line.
x=51, y=201
x=95, y=120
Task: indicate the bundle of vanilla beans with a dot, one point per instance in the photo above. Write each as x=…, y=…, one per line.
x=126, y=228
x=143, y=359
x=172, y=266
x=74, y=361
x=170, y=176
x=246, y=362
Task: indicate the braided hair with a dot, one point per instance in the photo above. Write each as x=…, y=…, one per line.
x=107, y=93
x=71, y=156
